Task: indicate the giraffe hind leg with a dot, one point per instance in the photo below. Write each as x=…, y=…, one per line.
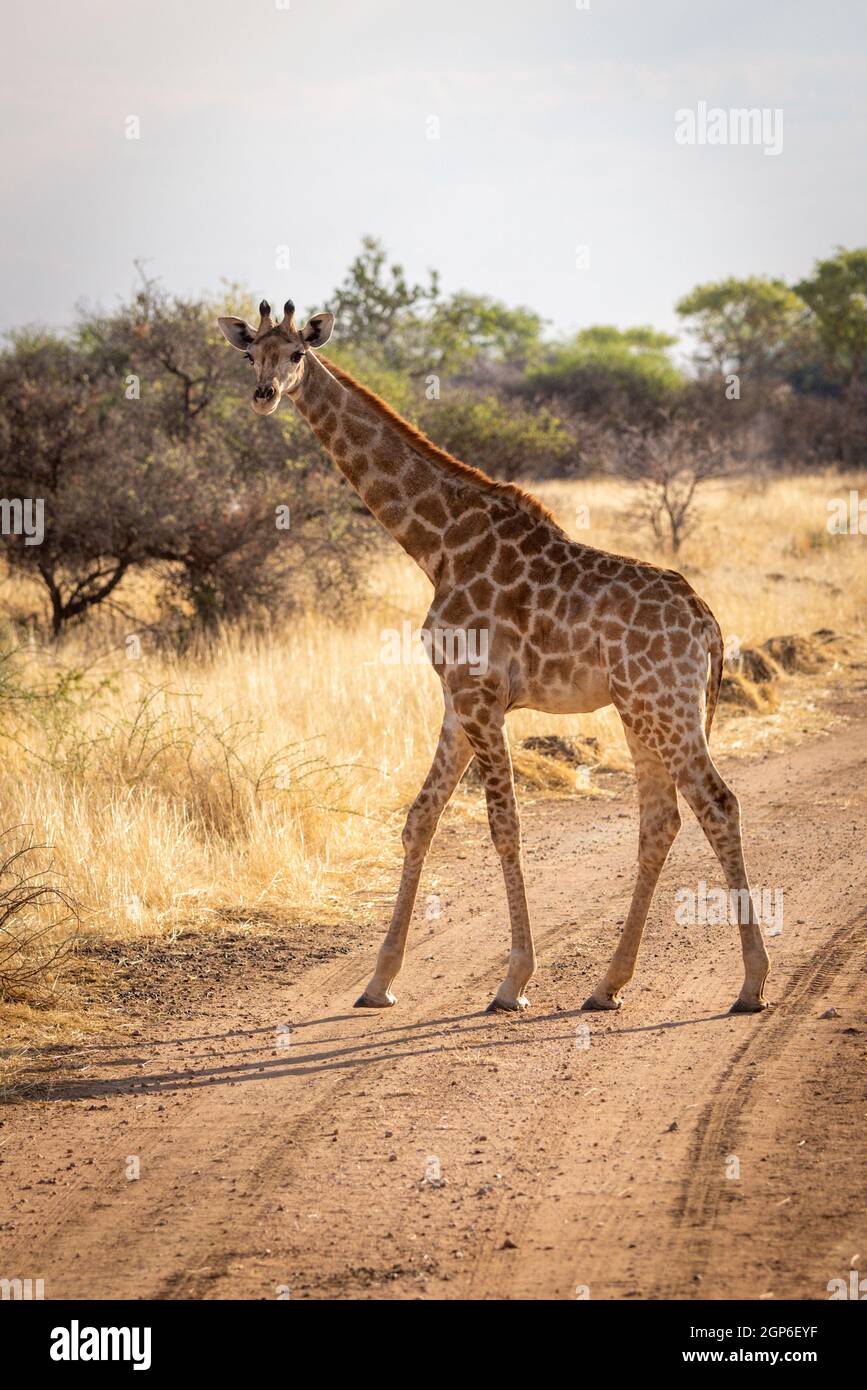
x=681, y=745
x=687, y=758
x=659, y=824
x=718, y=812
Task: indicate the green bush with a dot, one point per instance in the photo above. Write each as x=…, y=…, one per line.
x=604, y=371
x=505, y=439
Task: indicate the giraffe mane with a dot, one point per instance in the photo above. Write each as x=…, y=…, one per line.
x=446, y=461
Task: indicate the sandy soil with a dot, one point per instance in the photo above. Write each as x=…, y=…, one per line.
x=288, y=1145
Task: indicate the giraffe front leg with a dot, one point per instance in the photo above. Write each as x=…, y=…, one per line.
x=378, y=993
x=491, y=747
x=510, y=995
x=450, y=761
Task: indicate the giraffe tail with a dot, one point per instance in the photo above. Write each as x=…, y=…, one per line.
x=716, y=652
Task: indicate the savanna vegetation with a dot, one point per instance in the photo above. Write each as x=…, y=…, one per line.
x=198, y=726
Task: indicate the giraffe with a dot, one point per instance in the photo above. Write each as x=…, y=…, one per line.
x=569, y=629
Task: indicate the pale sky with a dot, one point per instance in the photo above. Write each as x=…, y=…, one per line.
x=307, y=126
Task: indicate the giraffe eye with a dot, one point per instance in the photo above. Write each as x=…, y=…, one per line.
x=296, y=356
x=248, y=356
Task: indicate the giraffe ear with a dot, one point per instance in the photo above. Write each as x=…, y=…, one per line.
x=318, y=330
x=237, y=332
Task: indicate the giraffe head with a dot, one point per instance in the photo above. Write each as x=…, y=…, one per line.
x=277, y=351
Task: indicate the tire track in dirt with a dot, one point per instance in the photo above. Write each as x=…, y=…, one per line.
x=722, y=1115
x=721, y=1125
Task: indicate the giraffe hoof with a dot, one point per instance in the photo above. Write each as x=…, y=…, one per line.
x=593, y=1005
x=365, y=1002
x=508, y=1006
x=749, y=1006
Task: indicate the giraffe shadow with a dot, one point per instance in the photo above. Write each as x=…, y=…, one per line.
x=477, y=1032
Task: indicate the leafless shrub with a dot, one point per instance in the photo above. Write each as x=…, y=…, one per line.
x=670, y=466
x=38, y=918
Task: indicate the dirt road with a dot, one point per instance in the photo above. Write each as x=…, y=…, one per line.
x=286, y=1142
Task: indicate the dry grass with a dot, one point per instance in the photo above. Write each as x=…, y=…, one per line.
x=271, y=774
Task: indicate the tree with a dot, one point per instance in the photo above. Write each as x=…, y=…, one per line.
x=743, y=326
x=68, y=445
x=166, y=357
x=409, y=328
x=836, y=294
x=468, y=327
x=376, y=306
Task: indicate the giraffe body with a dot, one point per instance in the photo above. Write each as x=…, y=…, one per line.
x=568, y=629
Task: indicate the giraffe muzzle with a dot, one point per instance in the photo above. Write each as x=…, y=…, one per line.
x=265, y=399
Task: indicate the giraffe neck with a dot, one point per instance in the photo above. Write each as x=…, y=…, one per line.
x=406, y=493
